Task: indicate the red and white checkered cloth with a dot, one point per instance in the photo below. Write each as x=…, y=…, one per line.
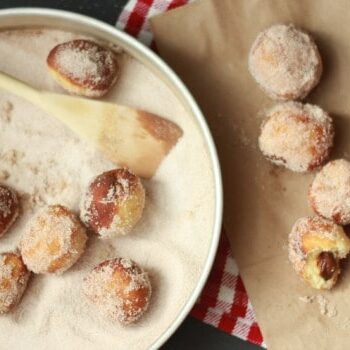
x=223, y=303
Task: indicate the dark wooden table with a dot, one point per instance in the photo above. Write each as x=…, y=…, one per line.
x=192, y=334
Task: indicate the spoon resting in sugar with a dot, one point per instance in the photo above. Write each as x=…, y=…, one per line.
x=129, y=137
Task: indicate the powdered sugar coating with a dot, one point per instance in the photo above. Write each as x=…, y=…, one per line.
x=13, y=280
x=285, y=62
x=9, y=208
x=297, y=136
x=329, y=194
x=113, y=203
x=83, y=67
x=310, y=226
x=53, y=241
x=119, y=288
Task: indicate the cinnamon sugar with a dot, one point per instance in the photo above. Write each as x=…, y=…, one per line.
x=12, y=156
x=54, y=227
x=119, y=305
x=296, y=136
x=6, y=202
x=36, y=200
x=32, y=201
x=4, y=174
x=329, y=193
x=285, y=62
x=53, y=307
x=326, y=308
x=9, y=208
x=113, y=203
x=307, y=299
x=6, y=109
x=13, y=280
x=84, y=61
x=310, y=226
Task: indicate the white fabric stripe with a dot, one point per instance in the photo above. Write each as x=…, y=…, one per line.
x=145, y=37
x=212, y=317
x=245, y=321
x=130, y=5
x=125, y=14
x=123, y=20
x=158, y=6
x=226, y=294
x=223, y=307
x=250, y=313
x=241, y=329
x=231, y=266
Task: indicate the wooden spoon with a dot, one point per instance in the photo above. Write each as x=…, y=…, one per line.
x=128, y=137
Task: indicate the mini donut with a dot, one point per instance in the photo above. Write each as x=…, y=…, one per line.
x=285, y=62
x=83, y=67
x=297, y=136
x=329, y=194
x=13, y=280
x=113, y=203
x=119, y=288
x=9, y=208
x=315, y=247
x=53, y=241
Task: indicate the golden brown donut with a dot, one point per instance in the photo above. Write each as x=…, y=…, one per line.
x=113, y=203
x=285, y=62
x=53, y=241
x=9, y=208
x=83, y=67
x=329, y=194
x=297, y=136
x=13, y=280
x=315, y=247
x=119, y=288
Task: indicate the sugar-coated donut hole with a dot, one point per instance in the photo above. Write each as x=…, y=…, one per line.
x=53, y=240
x=83, y=67
x=119, y=288
x=315, y=247
x=13, y=280
x=297, y=136
x=285, y=62
x=9, y=208
x=113, y=203
x=329, y=194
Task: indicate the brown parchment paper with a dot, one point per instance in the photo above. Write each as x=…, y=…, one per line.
x=207, y=43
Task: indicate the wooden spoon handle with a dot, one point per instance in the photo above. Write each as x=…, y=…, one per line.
x=20, y=89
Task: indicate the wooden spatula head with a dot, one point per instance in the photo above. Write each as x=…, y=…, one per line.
x=152, y=138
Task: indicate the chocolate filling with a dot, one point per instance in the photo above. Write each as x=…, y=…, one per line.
x=327, y=265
